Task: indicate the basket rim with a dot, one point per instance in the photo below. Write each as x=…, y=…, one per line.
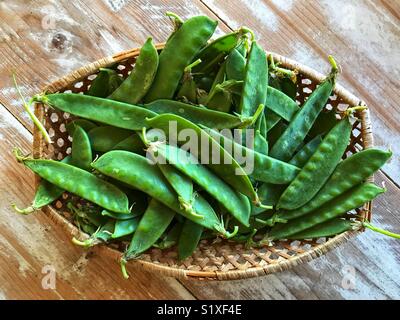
x=317, y=251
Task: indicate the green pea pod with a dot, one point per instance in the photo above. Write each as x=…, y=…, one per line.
x=220, y=77
x=179, y=52
x=197, y=115
x=136, y=171
x=260, y=143
x=107, y=81
x=132, y=143
x=326, y=229
x=105, y=138
x=117, y=216
x=352, y=199
x=318, y=168
x=281, y=104
x=271, y=120
x=136, y=85
x=152, y=225
x=255, y=81
x=171, y=237
x=79, y=182
x=303, y=120
x=114, y=113
x=230, y=171
x=83, y=123
x=88, y=214
x=188, y=89
x=235, y=203
x=325, y=122
x=189, y=239
x=346, y=175
x=305, y=153
x=102, y=234
x=235, y=66
x=45, y=194
x=261, y=125
x=81, y=150
x=220, y=97
x=125, y=227
x=269, y=195
x=276, y=130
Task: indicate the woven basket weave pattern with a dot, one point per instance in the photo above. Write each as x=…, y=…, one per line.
x=213, y=259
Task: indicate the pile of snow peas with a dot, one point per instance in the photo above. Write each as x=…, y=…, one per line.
x=150, y=191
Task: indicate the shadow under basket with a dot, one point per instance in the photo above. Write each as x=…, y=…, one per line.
x=213, y=259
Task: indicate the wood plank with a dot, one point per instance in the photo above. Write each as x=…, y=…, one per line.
x=372, y=258
x=361, y=35
x=29, y=243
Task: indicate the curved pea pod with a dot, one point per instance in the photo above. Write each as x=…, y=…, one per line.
x=79, y=182
x=216, y=50
x=189, y=239
x=152, y=225
x=125, y=227
x=107, y=81
x=235, y=66
x=45, y=194
x=318, y=168
x=220, y=97
x=255, y=81
x=197, y=115
x=261, y=125
x=136, y=85
x=105, y=138
x=301, y=123
x=326, y=229
x=117, y=216
x=226, y=167
x=259, y=166
x=235, y=203
x=114, y=113
x=179, y=52
x=348, y=173
x=170, y=238
x=132, y=143
x=281, y=104
x=352, y=199
x=305, y=153
x=81, y=150
x=137, y=171
x=83, y=123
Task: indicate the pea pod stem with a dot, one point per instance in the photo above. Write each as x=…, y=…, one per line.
x=87, y=243
x=33, y=117
x=193, y=64
x=250, y=121
x=350, y=111
x=25, y=211
x=123, y=268
x=248, y=30
x=177, y=20
x=379, y=230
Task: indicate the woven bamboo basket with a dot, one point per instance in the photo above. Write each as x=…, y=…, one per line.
x=213, y=259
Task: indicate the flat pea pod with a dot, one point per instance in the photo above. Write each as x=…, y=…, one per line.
x=276, y=130
x=260, y=143
x=220, y=76
x=136, y=85
x=348, y=173
x=45, y=194
x=107, y=81
x=171, y=237
x=189, y=239
x=196, y=114
x=132, y=143
x=78, y=182
x=83, y=123
x=318, y=168
x=117, y=216
x=179, y=52
x=105, y=138
x=305, y=153
x=216, y=50
x=281, y=104
x=136, y=171
x=235, y=203
x=301, y=123
x=114, y=113
x=265, y=168
x=255, y=81
x=152, y=225
x=125, y=227
x=352, y=199
x=326, y=229
x=235, y=66
x=81, y=154
x=220, y=97
x=272, y=119
x=230, y=171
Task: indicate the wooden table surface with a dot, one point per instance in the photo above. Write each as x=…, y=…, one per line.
x=45, y=39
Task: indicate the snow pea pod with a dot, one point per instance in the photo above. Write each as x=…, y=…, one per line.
x=326, y=229
x=220, y=76
x=189, y=239
x=179, y=52
x=114, y=113
x=305, y=153
x=136, y=85
x=188, y=89
x=197, y=115
x=318, y=168
x=348, y=173
x=125, y=227
x=132, y=143
x=81, y=149
x=269, y=195
x=83, y=123
x=230, y=171
x=136, y=171
x=170, y=238
x=104, y=138
x=107, y=81
x=272, y=119
x=235, y=203
x=235, y=66
x=79, y=182
x=220, y=97
x=303, y=120
x=260, y=143
x=352, y=199
x=281, y=104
